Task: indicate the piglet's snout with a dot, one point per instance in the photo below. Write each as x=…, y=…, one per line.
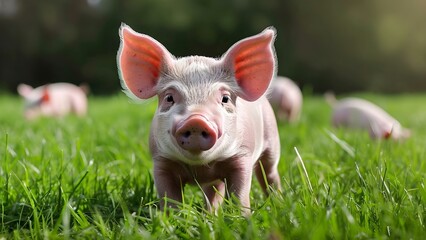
x=196, y=134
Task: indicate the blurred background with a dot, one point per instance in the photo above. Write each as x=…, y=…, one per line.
x=344, y=46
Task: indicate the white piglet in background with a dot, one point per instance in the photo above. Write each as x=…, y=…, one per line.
x=54, y=100
x=286, y=99
x=362, y=114
x=213, y=126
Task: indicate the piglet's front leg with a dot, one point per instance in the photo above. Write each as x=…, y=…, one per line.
x=168, y=182
x=234, y=180
x=214, y=194
x=239, y=184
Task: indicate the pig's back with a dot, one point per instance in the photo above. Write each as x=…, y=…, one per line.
x=284, y=90
x=359, y=113
x=68, y=98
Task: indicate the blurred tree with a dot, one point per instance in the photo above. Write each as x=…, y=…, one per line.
x=359, y=45
x=338, y=45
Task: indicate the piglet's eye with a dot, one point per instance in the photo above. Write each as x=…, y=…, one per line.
x=226, y=99
x=169, y=99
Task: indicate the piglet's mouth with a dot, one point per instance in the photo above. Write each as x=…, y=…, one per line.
x=196, y=134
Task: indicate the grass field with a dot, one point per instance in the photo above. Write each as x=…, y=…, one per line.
x=92, y=178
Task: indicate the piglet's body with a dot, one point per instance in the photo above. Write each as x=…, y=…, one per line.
x=286, y=99
x=53, y=100
x=361, y=114
x=213, y=124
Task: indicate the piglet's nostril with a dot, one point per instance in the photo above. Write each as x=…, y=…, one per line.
x=205, y=134
x=186, y=134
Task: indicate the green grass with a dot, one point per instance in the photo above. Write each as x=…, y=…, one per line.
x=92, y=178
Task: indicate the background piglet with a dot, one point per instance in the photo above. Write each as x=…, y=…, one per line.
x=54, y=100
x=362, y=114
x=286, y=99
x=213, y=124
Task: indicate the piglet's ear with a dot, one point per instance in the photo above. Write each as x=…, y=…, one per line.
x=140, y=61
x=24, y=90
x=252, y=61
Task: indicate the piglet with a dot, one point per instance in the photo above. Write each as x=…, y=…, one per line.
x=213, y=126
x=362, y=114
x=286, y=99
x=54, y=100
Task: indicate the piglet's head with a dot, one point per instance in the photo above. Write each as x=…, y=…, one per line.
x=142, y=60
x=197, y=95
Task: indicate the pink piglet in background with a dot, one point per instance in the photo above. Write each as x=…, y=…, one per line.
x=54, y=100
x=286, y=99
x=361, y=114
x=213, y=126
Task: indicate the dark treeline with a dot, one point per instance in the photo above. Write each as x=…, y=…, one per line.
x=324, y=45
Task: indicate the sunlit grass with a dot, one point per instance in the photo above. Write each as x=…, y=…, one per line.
x=91, y=178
